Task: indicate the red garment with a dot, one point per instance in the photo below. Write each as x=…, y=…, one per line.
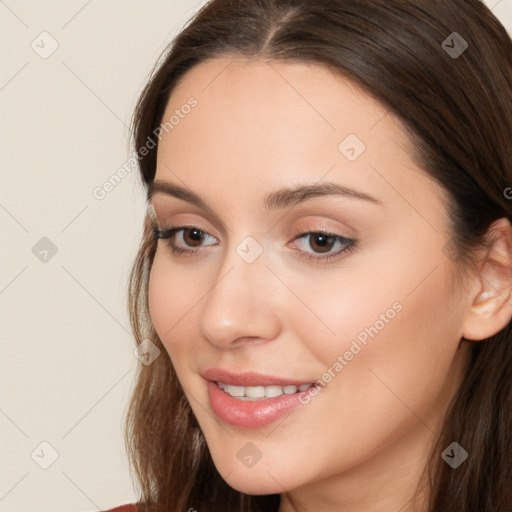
x=123, y=508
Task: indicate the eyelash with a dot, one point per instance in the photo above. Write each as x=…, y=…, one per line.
x=168, y=235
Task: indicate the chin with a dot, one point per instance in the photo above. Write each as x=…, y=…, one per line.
x=255, y=483
x=260, y=479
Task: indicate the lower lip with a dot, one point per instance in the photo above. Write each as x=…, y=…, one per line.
x=250, y=413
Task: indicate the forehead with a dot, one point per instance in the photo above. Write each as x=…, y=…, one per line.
x=269, y=121
x=262, y=103
x=275, y=93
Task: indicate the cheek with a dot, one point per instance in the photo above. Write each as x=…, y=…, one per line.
x=396, y=308
x=171, y=300
x=399, y=355
x=392, y=336
x=341, y=308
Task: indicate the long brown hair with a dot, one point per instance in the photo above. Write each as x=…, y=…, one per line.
x=458, y=109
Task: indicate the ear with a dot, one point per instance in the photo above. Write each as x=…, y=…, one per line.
x=491, y=307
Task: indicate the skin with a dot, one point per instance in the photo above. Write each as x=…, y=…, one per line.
x=361, y=444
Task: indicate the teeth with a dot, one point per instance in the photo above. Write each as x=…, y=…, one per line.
x=235, y=390
x=260, y=392
x=289, y=390
x=254, y=391
x=273, y=391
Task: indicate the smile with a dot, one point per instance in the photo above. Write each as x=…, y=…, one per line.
x=254, y=393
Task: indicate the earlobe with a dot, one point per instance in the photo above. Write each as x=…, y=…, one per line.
x=491, y=308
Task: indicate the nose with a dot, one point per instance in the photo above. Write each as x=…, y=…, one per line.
x=241, y=305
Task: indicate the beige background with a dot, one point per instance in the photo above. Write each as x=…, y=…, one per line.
x=66, y=362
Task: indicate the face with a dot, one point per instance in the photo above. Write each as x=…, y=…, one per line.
x=342, y=284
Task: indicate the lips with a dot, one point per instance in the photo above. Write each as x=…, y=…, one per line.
x=252, y=400
x=249, y=378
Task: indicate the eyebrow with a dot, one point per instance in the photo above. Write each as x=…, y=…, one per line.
x=279, y=199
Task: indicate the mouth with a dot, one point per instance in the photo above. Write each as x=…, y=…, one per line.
x=258, y=393
x=252, y=400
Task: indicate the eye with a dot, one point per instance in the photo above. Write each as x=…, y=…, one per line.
x=188, y=241
x=323, y=244
x=190, y=238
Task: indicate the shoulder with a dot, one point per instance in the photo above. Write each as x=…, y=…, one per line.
x=123, y=508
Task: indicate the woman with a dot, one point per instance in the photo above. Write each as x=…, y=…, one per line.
x=321, y=295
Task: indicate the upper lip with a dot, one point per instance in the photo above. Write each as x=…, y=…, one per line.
x=248, y=378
